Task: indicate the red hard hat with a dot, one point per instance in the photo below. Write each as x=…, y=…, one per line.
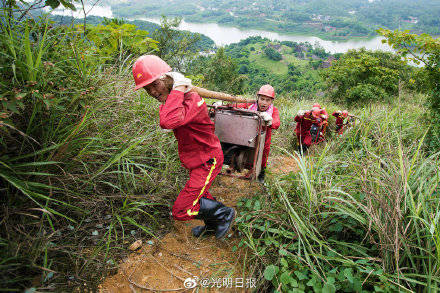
x=147, y=69
x=267, y=90
x=316, y=112
x=345, y=113
x=317, y=105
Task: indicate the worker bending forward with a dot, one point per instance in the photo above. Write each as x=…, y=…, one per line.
x=340, y=117
x=185, y=112
x=270, y=114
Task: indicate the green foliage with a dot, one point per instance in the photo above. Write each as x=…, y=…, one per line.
x=325, y=18
x=365, y=94
x=55, y=3
x=273, y=54
x=332, y=225
x=117, y=40
x=77, y=155
x=292, y=75
x=177, y=48
x=422, y=49
x=361, y=76
x=221, y=73
x=360, y=214
x=203, y=44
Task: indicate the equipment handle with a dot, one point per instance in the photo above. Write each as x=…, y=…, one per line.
x=220, y=96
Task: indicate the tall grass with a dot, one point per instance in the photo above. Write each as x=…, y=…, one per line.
x=363, y=208
x=84, y=168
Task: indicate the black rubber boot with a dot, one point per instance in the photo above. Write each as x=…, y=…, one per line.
x=262, y=175
x=217, y=215
x=208, y=229
x=302, y=149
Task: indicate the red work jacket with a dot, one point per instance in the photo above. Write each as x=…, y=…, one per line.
x=304, y=123
x=187, y=115
x=339, y=118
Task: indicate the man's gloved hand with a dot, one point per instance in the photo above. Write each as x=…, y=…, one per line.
x=180, y=80
x=267, y=118
x=216, y=104
x=300, y=113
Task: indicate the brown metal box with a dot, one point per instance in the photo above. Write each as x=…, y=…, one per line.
x=242, y=129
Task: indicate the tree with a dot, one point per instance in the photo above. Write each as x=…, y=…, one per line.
x=422, y=49
x=273, y=54
x=176, y=47
x=377, y=73
x=221, y=74
x=117, y=40
x=19, y=11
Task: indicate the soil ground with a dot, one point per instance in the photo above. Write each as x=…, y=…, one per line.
x=164, y=265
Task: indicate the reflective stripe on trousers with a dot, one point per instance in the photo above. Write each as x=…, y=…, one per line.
x=208, y=178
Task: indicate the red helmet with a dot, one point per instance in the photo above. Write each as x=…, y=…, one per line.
x=316, y=112
x=147, y=69
x=317, y=105
x=345, y=113
x=267, y=90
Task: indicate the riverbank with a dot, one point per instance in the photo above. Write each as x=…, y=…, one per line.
x=225, y=35
x=298, y=29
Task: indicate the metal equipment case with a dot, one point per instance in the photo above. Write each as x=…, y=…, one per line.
x=242, y=135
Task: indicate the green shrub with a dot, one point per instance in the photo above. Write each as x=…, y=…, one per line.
x=273, y=54
x=376, y=72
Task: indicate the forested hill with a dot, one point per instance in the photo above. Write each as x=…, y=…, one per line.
x=327, y=18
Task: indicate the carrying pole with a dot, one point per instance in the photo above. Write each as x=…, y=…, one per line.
x=220, y=96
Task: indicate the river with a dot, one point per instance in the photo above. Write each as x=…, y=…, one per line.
x=225, y=35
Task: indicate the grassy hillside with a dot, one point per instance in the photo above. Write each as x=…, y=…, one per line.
x=295, y=68
x=259, y=58
x=85, y=169
x=355, y=213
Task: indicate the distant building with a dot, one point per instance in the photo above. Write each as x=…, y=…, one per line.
x=411, y=19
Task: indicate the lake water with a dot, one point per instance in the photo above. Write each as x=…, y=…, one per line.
x=224, y=35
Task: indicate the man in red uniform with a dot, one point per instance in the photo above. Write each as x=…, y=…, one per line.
x=340, y=117
x=323, y=115
x=270, y=114
x=339, y=121
x=200, y=152
x=322, y=110
x=304, y=122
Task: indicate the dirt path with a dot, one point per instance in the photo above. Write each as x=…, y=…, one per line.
x=163, y=266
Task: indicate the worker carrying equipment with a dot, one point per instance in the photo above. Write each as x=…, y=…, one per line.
x=185, y=112
x=343, y=119
x=309, y=125
x=324, y=122
x=271, y=116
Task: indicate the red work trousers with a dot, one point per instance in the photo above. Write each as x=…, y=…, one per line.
x=186, y=207
x=265, y=156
